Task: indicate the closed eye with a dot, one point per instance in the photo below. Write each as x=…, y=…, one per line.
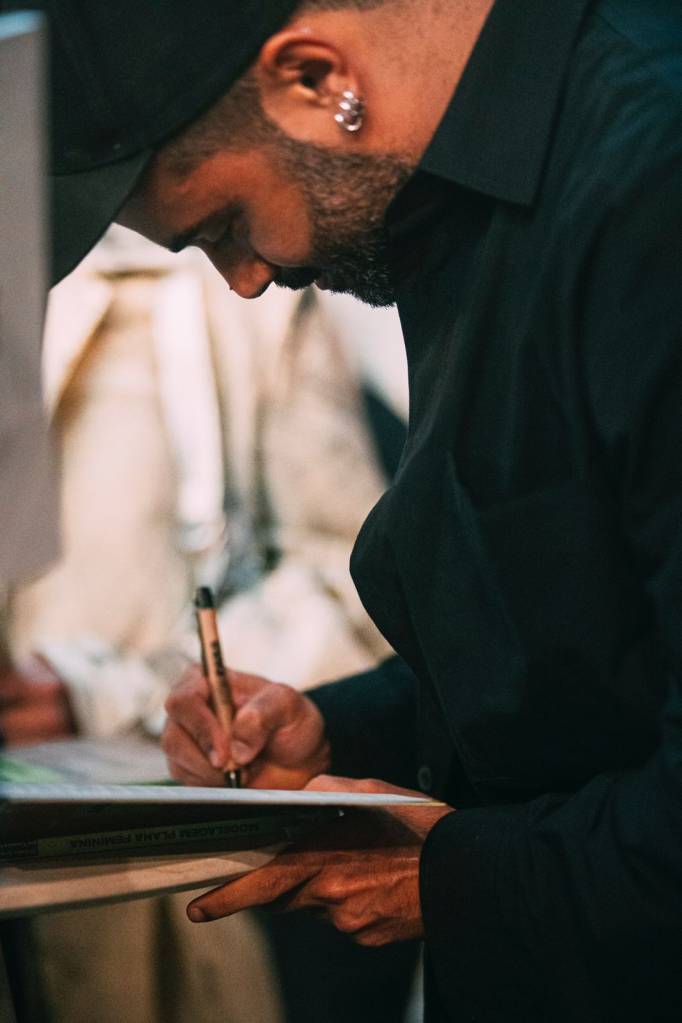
x=226, y=237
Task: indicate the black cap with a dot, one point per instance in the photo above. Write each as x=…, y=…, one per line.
x=203, y=597
x=125, y=75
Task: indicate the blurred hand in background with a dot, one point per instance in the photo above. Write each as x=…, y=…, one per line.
x=34, y=704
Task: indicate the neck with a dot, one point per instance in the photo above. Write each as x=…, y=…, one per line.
x=421, y=48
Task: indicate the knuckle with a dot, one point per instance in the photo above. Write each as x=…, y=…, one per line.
x=240, y=684
x=176, y=700
x=250, y=719
x=286, y=697
x=344, y=919
x=332, y=889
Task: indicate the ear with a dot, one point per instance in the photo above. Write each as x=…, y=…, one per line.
x=302, y=77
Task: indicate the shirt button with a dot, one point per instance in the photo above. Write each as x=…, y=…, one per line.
x=424, y=778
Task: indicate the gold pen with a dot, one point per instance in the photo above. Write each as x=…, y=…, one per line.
x=215, y=673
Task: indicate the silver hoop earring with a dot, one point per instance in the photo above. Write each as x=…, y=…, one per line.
x=351, y=112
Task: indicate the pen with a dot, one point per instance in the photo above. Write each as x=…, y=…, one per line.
x=214, y=670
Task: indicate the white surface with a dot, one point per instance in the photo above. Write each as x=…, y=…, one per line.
x=58, y=792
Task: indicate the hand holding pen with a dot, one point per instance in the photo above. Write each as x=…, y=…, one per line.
x=215, y=673
x=277, y=736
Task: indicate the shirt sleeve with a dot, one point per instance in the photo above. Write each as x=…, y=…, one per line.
x=562, y=904
x=370, y=721
x=569, y=907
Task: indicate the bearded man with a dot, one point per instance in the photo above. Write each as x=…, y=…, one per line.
x=509, y=173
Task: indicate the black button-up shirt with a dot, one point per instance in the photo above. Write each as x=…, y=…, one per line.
x=527, y=561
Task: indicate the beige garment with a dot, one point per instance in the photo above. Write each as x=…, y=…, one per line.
x=309, y=476
x=137, y=962
x=373, y=344
x=300, y=470
x=121, y=577
x=294, y=453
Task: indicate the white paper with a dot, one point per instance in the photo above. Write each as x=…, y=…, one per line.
x=59, y=792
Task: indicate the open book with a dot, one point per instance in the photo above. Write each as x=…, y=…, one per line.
x=70, y=842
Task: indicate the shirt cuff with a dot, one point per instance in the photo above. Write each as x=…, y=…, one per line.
x=474, y=964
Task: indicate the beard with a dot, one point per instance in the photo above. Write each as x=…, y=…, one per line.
x=347, y=196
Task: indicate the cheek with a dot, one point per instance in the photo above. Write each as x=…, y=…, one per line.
x=281, y=232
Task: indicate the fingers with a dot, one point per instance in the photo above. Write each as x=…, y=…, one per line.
x=190, y=717
x=336, y=783
x=12, y=688
x=35, y=706
x=271, y=708
x=373, y=908
x=17, y=686
x=277, y=732
x=186, y=762
x=243, y=686
x=419, y=819
x=194, y=740
x=255, y=889
x=27, y=722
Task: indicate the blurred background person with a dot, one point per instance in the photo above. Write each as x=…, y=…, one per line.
x=204, y=440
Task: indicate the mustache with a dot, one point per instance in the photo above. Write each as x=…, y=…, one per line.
x=296, y=277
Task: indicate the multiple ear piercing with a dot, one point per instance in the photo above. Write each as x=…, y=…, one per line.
x=351, y=112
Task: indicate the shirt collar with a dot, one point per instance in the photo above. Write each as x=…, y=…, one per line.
x=495, y=133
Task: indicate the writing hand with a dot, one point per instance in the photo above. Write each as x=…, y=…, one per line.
x=361, y=873
x=34, y=704
x=277, y=733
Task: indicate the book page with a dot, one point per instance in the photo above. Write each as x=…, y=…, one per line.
x=77, y=838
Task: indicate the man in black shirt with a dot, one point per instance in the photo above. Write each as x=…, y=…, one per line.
x=526, y=564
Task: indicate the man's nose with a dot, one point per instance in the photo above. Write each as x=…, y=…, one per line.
x=248, y=278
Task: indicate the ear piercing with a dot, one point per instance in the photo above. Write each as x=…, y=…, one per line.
x=351, y=112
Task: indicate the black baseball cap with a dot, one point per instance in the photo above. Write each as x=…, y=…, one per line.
x=126, y=75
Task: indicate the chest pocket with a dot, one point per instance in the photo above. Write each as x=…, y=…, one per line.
x=522, y=613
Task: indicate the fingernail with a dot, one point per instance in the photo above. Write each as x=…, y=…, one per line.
x=196, y=915
x=241, y=754
x=216, y=759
